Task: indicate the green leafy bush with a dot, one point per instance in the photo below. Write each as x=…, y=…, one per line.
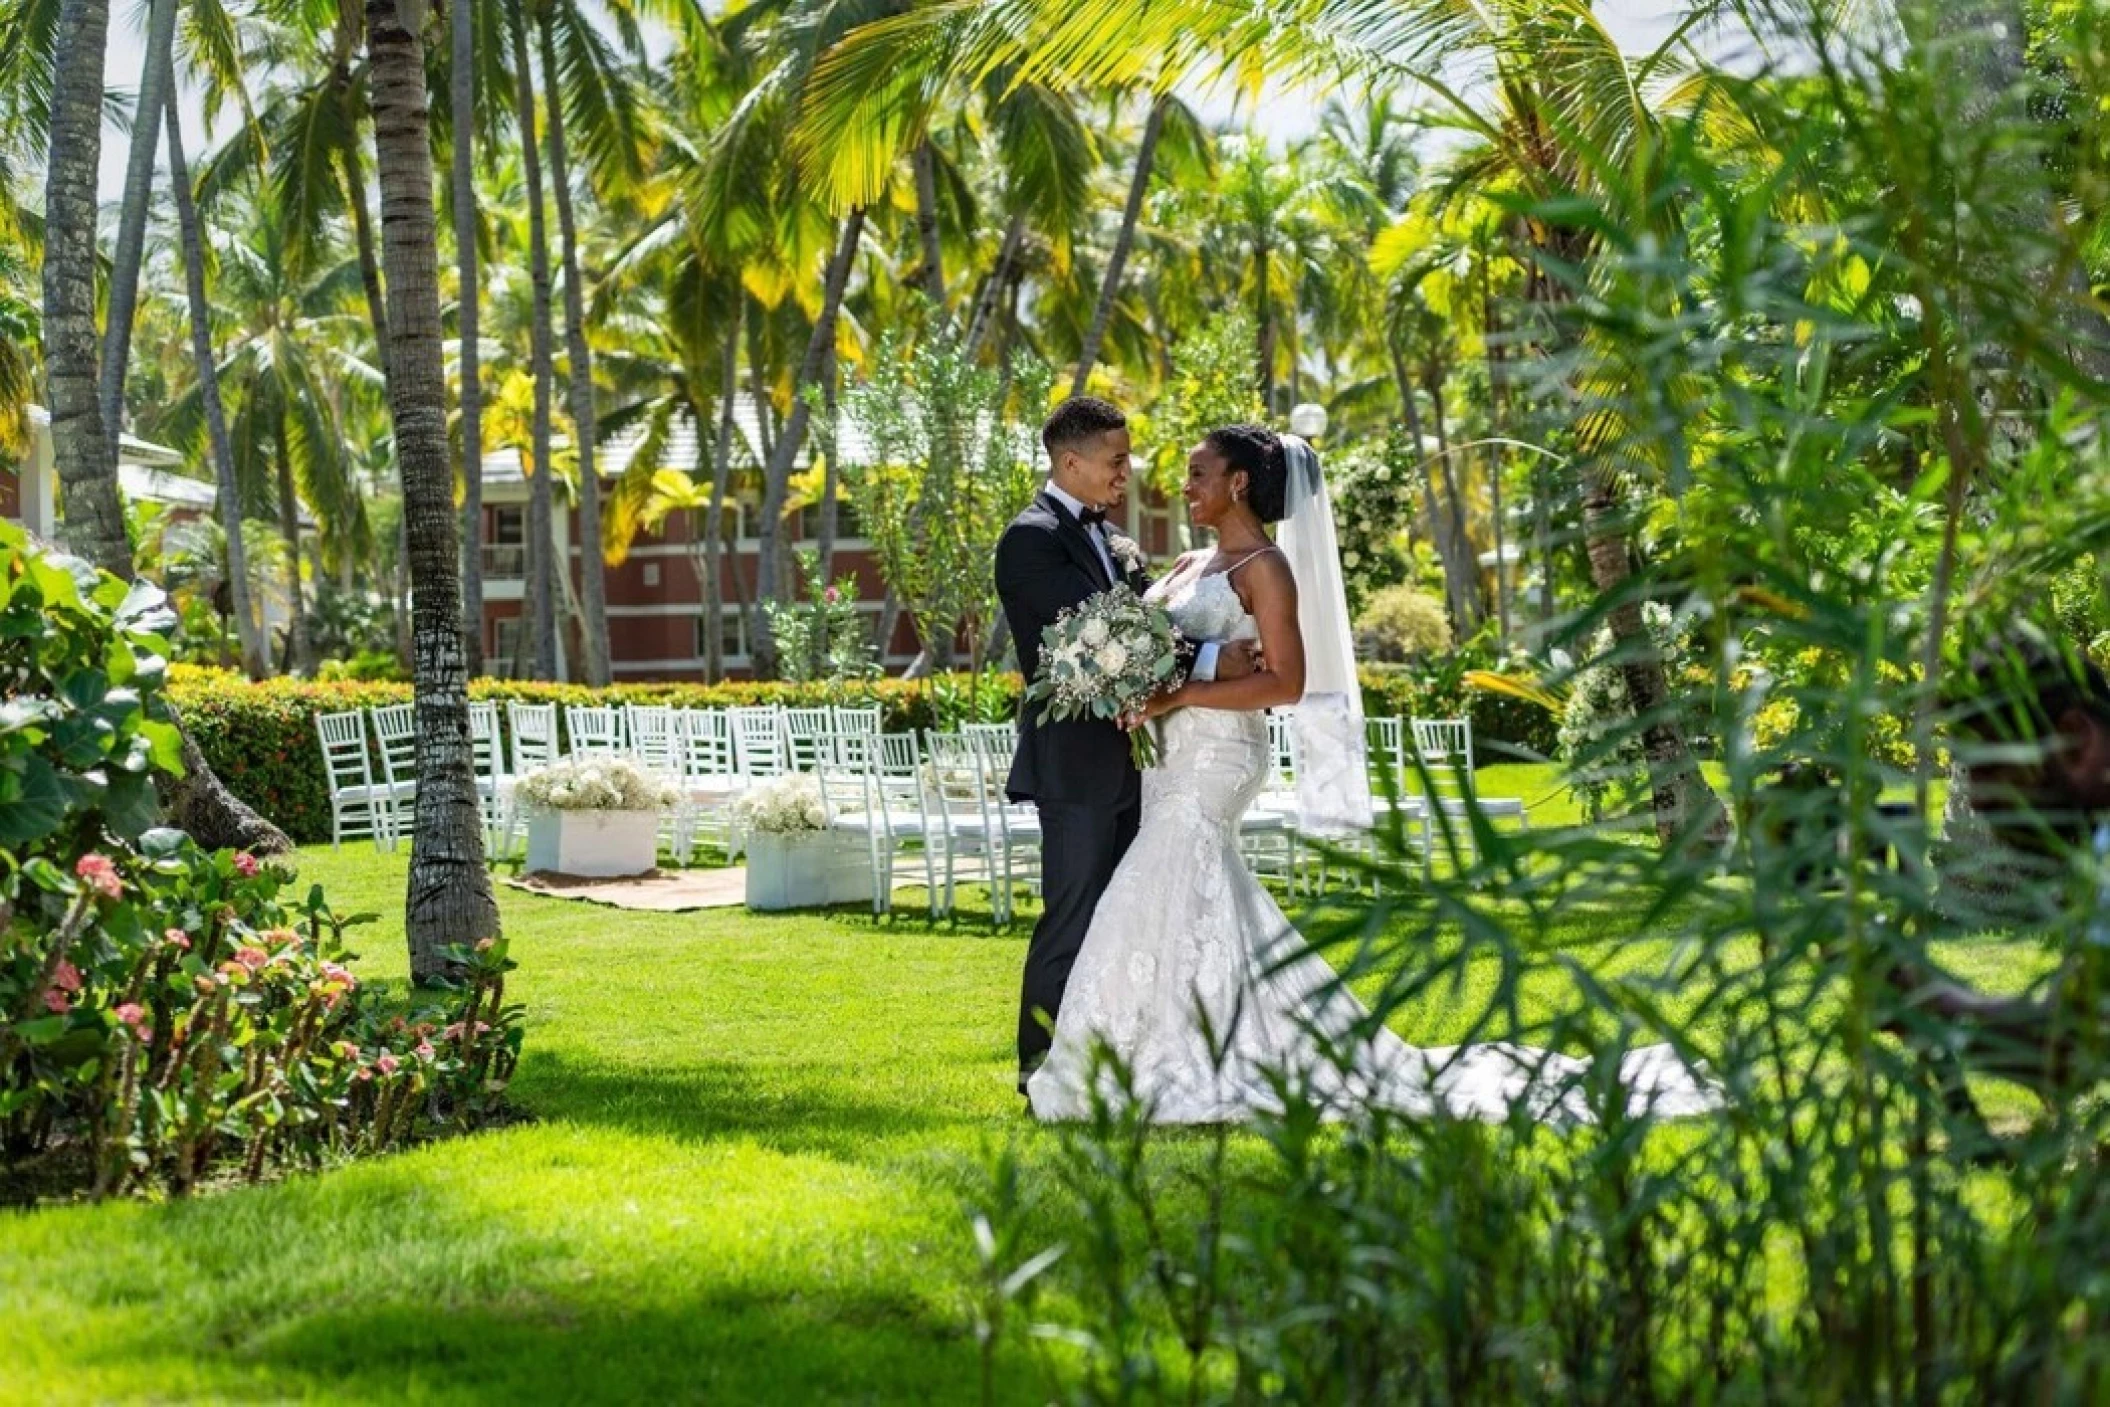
x=1401, y=623
x=161, y=1010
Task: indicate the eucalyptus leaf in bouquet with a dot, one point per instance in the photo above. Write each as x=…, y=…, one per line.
x=1105, y=658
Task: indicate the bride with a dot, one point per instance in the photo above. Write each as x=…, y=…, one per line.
x=1190, y=977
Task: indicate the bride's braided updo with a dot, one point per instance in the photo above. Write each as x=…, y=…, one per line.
x=1257, y=451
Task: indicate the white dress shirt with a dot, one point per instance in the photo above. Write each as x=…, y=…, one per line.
x=1204, y=653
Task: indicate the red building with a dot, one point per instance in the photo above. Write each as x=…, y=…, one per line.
x=655, y=598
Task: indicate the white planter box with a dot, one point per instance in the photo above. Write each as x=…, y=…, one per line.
x=808, y=870
x=594, y=844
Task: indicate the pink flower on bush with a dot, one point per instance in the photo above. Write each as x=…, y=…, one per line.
x=387, y=1063
x=134, y=1016
x=283, y=938
x=832, y=596
x=66, y=977
x=176, y=938
x=425, y=1052
x=57, y=1002
x=347, y=1051
x=252, y=958
x=245, y=864
x=100, y=872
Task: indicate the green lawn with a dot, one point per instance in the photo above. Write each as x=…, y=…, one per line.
x=753, y=1147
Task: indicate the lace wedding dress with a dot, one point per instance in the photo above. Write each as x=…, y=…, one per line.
x=1187, y=943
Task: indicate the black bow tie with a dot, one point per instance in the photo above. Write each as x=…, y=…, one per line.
x=1092, y=517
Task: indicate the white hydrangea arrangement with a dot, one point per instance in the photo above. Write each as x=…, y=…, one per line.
x=595, y=784
x=790, y=805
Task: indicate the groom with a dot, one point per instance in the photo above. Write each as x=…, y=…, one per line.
x=1078, y=773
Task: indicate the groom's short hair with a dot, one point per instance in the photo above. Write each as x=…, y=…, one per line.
x=1077, y=422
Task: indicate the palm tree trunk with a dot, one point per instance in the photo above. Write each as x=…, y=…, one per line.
x=468, y=317
x=593, y=581
x=299, y=650
x=1124, y=241
x=542, y=563
x=1498, y=403
x=990, y=302
x=1439, y=532
x=1454, y=499
x=925, y=161
x=1685, y=805
x=776, y=483
x=197, y=801
x=1261, y=274
x=156, y=80
x=255, y=663
x=83, y=443
x=831, y=474
x=714, y=510
x=449, y=896
x=362, y=228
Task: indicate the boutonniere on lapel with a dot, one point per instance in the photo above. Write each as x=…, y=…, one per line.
x=1127, y=551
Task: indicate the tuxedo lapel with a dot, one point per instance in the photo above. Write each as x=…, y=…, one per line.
x=1071, y=534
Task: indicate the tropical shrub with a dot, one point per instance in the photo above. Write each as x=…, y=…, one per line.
x=1401, y=623
x=162, y=1011
x=825, y=637
x=171, y=1018
x=1599, y=741
x=1370, y=486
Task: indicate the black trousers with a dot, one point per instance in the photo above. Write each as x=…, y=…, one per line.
x=1079, y=849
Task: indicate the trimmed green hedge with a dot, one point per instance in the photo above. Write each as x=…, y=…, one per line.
x=260, y=738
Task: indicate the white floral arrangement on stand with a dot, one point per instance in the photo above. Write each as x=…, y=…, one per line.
x=790, y=805
x=595, y=784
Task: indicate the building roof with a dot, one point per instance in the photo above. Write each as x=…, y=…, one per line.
x=684, y=449
x=130, y=448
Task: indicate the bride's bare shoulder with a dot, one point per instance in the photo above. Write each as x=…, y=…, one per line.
x=1265, y=576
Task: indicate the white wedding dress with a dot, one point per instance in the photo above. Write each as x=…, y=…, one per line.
x=1186, y=943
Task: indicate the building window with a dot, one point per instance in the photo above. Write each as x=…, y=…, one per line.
x=506, y=644
x=806, y=526
x=505, y=547
x=732, y=635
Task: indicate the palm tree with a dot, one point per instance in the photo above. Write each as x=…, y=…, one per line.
x=95, y=522
x=289, y=376
x=468, y=310
x=590, y=84
x=542, y=564
x=81, y=440
x=157, y=81
x=247, y=628
x=449, y=897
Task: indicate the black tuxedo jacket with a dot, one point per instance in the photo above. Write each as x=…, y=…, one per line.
x=1045, y=564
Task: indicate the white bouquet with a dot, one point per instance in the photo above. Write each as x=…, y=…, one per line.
x=790, y=805
x=595, y=784
x=1104, y=658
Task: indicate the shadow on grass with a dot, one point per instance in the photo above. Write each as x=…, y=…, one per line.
x=845, y=1346
x=797, y=1108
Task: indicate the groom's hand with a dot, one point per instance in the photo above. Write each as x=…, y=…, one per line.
x=1238, y=658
